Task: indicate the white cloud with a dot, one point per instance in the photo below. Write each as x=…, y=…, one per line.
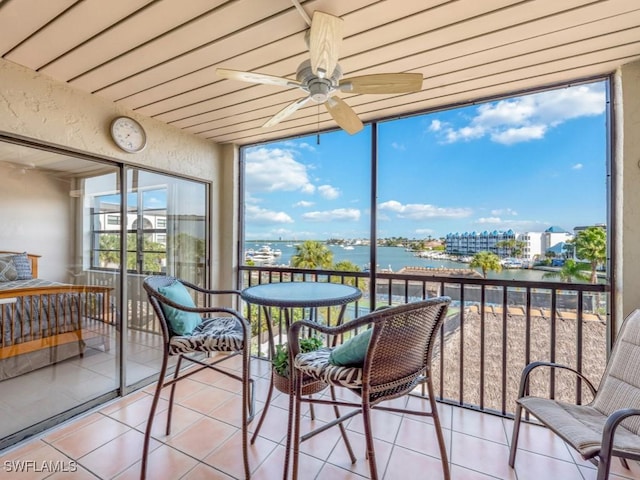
x=250, y=199
x=424, y=231
x=520, y=226
x=505, y=112
x=420, y=211
x=465, y=133
x=528, y=117
x=398, y=146
x=303, y=203
x=503, y=211
x=489, y=220
x=155, y=202
x=301, y=145
x=580, y=101
x=577, y=166
x=520, y=134
x=275, y=169
x=263, y=216
x=329, y=192
x=435, y=126
x=337, y=215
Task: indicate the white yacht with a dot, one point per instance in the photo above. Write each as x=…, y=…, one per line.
x=265, y=255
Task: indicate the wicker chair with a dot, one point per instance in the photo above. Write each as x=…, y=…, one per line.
x=610, y=424
x=228, y=331
x=397, y=359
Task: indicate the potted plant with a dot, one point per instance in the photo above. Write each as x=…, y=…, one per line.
x=280, y=364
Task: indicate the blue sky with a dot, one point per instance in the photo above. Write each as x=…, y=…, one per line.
x=525, y=163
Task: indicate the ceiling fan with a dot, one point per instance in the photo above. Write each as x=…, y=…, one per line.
x=321, y=76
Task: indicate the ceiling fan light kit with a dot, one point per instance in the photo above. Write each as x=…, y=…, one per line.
x=321, y=76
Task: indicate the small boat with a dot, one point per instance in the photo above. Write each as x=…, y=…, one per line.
x=265, y=255
x=512, y=263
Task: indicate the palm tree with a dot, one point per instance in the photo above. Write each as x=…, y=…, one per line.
x=570, y=270
x=591, y=244
x=312, y=254
x=514, y=246
x=486, y=261
x=109, y=250
x=348, y=266
x=345, y=266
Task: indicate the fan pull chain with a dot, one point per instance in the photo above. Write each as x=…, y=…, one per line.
x=318, y=127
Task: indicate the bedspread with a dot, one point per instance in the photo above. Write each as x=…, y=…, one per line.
x=36, y=314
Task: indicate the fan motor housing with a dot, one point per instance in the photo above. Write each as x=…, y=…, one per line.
x=319, y=88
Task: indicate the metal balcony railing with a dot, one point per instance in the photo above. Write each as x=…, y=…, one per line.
x=493, y=329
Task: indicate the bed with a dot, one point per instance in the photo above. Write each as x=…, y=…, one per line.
x=44, y=322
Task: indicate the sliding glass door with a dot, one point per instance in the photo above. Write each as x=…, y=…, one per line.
x=59, y=352
x=78, y=238
x=166, y=233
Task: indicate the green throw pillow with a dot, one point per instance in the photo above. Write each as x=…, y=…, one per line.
x=352, y=352
x=181, y=322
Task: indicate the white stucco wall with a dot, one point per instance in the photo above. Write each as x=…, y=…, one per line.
x=39, y=108
x=49, y=219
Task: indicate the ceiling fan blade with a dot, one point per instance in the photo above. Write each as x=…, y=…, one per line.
x=286, y=111
x=344, y=115
x=325, y=38
x=256, y=78
x=383, y=83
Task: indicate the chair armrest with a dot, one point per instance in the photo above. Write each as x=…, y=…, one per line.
x=524, y=379
x=609, y=430
x=184, y=308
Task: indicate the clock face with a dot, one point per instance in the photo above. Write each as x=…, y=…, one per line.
x=128, y=134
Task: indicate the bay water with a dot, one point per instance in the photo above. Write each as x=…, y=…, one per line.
x=393, y=259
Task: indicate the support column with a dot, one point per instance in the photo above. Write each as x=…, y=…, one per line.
x=626, y=197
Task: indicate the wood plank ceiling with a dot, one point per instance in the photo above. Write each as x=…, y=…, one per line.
x=158, y=58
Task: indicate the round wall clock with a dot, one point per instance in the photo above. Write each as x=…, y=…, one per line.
x=128, y=134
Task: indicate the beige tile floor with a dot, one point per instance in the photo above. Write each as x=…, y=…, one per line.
x=23, y=401
x=205, y=443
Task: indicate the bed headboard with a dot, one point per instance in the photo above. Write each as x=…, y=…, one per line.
x=32, y=258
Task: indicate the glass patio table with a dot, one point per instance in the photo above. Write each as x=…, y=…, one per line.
x=288, y=295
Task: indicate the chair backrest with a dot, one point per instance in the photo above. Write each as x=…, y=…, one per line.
x=620, y=385
x=151, y=285
x=401, y=346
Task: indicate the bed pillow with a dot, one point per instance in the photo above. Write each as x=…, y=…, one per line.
x=352, y=352
x=23, y=266
x=181, y=322
x=8, y=271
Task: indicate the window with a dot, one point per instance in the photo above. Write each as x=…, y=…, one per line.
x=450, y=184
x=302, y=190
x=165, y=224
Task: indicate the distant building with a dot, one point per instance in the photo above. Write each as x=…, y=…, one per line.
x=470, y=243
x=534, y=243
x=154, y=222
x=554, y=239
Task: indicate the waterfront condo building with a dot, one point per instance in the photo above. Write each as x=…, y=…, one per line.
x=534, y=244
